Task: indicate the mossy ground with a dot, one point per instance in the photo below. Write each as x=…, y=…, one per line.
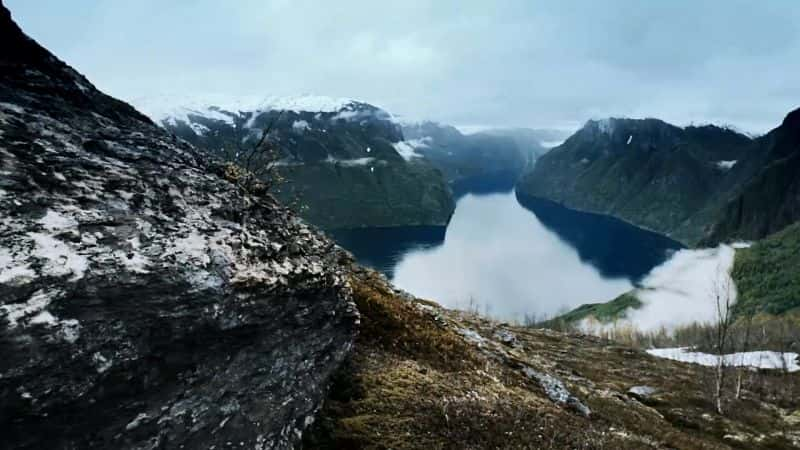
x=415, y=381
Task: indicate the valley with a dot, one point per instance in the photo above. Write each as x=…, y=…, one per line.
x=315, y=272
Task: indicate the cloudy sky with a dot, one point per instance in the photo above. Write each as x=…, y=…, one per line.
x=480, y=63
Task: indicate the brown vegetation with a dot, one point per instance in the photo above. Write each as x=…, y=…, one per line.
x=425, y=377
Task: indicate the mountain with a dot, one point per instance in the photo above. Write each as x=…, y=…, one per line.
x=143, y=302
x=769, y=199
x=653, y=174
x=344, y=161
x=480, y=162
x=147, y=301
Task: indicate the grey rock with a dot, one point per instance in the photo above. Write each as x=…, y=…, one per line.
x=143, y=302
x=642, y=392
x=556, y=391
x=507, y=337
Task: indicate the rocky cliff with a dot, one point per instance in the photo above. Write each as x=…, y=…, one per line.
x=145, y=301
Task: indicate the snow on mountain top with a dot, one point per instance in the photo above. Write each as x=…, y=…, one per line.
x=173, y=109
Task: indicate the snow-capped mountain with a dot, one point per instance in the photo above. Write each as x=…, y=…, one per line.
x=345, y=160
x=170, y=110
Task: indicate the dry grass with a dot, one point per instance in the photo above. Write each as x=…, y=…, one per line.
x=413, y=382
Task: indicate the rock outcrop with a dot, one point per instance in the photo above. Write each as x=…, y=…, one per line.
x=145, y=301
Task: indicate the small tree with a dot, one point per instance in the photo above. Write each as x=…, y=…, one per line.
x=255, y=166
x=254, y=169
x=722, y=295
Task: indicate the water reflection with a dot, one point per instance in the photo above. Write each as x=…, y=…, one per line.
x=615, y=248
x=383, y=248
x=510, y=261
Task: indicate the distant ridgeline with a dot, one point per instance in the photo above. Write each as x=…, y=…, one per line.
x=349, y=164
x=482, y=162
x=695, y=184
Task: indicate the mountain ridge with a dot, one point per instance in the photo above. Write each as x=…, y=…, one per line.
x=674, y=180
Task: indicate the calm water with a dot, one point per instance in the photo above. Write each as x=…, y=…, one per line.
x=509, y=257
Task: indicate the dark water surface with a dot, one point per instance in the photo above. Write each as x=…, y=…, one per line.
x=510, y=255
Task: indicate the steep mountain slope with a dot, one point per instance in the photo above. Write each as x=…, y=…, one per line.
x=647, y=172
x=769, y=199
x=474, y=162
x=344, y=161
x=143, y=302
x=767, y=275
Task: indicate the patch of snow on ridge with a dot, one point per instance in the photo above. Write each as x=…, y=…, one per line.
x=606, y=126
x=300, y=126
x=726, y=165
x=551, y=144
x=757, y=359
x=408, y=149
x=350, y=162
x=199, y=129
x=171, y=110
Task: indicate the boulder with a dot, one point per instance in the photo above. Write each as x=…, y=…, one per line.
x=146, y=301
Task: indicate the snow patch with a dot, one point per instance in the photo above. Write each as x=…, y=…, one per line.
x=11, y=269
x=630, y=138
x=408, y=149
x=350, y=162
x=33, y=312
x=300, y=126
x=551, y=144
x=35, y=305
x=606, y=126
x=193, y=247
x=199, y=129
x=171, y=110
x=726, y=165
x=54, y=221
x=61, y=258
x=757, y=359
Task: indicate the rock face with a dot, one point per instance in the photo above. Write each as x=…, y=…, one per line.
x=647, y=172
x=145, y=302
x=344, y=161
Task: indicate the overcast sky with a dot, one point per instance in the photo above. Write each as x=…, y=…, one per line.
x=484, y=63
